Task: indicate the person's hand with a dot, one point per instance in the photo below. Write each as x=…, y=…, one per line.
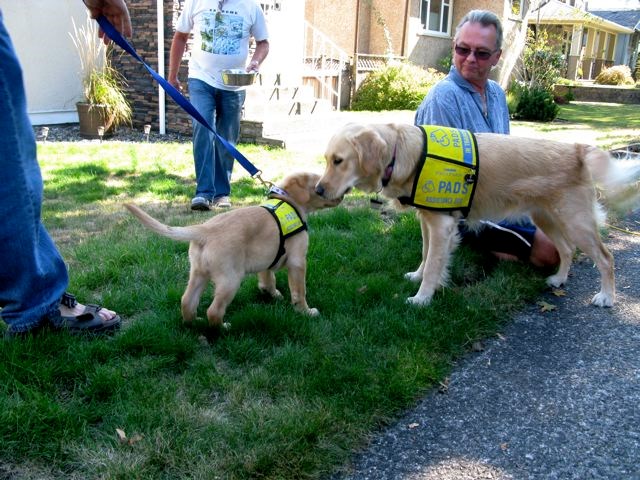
x=253, y=67
x=116, y=12
x=176, y=84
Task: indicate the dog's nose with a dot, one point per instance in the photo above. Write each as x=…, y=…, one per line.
x=320, y=190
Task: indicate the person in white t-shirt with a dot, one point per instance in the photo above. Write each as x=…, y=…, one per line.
x=222, y=30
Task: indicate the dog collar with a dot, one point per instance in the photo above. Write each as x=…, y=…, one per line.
x=275, y=190
x=389, y=170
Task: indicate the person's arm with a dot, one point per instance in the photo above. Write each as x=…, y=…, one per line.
x=178, y=46
x=116, y=12
x=260, y=53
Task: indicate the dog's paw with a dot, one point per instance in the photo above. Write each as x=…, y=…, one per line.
x=601, y=299
x=418, y=301
x=556, y=281
x=312, y=312
x=414, y=276
x=275, y=293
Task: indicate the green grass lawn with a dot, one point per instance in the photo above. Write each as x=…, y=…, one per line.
x=607, y=125
x=279, y=395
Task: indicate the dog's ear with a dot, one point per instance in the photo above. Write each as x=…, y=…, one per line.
x=370, y=147
x=299, y=188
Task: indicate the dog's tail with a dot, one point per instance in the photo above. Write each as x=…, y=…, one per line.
x=185, y=234
x=617, y=177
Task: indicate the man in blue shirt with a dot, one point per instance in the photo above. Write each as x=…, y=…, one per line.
x=467, y=99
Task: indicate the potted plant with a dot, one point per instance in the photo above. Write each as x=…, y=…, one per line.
x=104, y=106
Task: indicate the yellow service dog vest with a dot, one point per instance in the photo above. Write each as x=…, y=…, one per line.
x=288, y=219
x=448, y=171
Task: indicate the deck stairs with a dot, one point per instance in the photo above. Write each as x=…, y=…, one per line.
x=314, y=85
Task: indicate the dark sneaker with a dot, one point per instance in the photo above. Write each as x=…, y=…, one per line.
x=200, y=203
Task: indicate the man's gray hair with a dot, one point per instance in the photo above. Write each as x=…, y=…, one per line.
x=485, y=18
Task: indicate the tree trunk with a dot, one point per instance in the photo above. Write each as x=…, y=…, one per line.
x=515, y=39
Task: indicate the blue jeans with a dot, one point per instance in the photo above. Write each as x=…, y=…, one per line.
x=213, y=163
x=33, y=275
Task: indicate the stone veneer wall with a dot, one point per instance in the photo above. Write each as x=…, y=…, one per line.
x=599, y=93
x=142, y=89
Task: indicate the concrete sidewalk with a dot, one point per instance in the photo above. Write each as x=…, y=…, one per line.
x=556, y=396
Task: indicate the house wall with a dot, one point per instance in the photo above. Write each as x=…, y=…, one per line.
x=40, y=30
x=335, y=18
x=386, y=27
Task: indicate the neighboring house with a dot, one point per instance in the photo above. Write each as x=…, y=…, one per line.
x=628, y=46
x=589, y=42
x=421, y=31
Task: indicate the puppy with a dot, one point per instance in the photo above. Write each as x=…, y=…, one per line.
x=552, y=182
x=249, y=240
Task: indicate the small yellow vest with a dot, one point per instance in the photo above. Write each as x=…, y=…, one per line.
x=288, y=219
x=448, y=172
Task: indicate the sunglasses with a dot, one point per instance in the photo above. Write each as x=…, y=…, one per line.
x=479, y=54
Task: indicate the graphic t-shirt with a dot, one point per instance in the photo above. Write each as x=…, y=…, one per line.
x=220, y=36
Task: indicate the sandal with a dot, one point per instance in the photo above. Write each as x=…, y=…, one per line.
x=88, y=321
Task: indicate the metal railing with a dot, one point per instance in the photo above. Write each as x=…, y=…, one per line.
x=325, y=62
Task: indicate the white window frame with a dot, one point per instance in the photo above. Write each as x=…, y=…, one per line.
x=424, y=6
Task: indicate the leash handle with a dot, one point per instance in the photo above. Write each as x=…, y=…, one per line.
x=173, y=92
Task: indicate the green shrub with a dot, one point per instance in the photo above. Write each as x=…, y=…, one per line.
x=616, y=75
x=444, y=64
x=569, y=96
x=513, y=94
x=542, y=59
x=401, y=86
x=566, y=81
x=536, y=103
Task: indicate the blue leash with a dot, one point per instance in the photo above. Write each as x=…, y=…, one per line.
x=115, y=35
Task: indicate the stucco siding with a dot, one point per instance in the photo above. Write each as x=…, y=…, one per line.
x=51, y=68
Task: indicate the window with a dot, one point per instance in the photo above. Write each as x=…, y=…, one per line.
x=435, y=16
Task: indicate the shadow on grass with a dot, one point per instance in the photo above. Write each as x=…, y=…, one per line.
x=94, y=182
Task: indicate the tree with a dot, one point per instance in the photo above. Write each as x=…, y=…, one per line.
x=515, y=38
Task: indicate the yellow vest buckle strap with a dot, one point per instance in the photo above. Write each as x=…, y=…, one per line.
x=448, y=171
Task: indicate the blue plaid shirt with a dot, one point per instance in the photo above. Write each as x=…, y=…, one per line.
x=453, y=102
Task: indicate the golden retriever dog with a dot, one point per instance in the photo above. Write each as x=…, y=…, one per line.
x=246, y=240
x=550, y=181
